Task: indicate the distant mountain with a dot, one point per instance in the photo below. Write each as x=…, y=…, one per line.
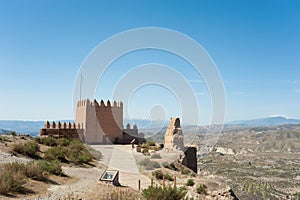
x=149, y=127
x=145, y=124
x=268, y=121
x=24, y=127
x=2, y=131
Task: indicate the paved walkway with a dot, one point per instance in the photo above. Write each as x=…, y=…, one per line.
x=120, y=157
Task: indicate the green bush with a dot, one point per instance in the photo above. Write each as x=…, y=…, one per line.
x=62, y=142
x=185, y=171
x=201, y=189
x=169, y=166
x=182, y=188
x=165, y=164
x=49, y=141
x=13, y=133
x=158, y=174
x=149, y=164
x=77, y=153
x=190, y=182
x=150, y=143
x=28, y=148
x=56, y=153
x=53, y=167
x=169, y=177
x=145, y=150
x=31, y=147
x=156, y=156
x=85, y=158
x=68, y=150
x=158, y=193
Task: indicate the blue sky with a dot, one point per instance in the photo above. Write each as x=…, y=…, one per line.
x=255, y=45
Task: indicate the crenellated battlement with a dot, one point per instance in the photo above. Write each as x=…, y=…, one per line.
x=62, y=129
x=85, y=102
x=97, y=122
x=59, y=125
x=128, y=127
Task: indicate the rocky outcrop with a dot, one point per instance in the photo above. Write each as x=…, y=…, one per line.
x=225, y=193
x=174, y=137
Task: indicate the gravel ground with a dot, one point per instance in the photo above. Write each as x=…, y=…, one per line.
x=7, y=158
x=87, y=179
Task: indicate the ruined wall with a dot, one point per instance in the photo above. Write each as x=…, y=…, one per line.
x=174, y=136
x=190, y=158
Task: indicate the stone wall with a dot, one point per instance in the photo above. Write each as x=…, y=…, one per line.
x=174, y=136
x=190, y=158
x=131, y=133
x=174, y=144
x=58, y=130
x=102, y=123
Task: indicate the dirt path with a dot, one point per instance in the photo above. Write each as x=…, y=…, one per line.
x=120, y=157
x=85, y=181
x=116, y=157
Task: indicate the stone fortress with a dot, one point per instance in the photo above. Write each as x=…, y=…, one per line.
x=96, y=123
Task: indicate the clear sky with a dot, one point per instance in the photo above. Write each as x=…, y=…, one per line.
x=255, y=45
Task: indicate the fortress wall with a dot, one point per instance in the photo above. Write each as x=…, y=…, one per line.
x=103, y=122
x=110, y=119
x=59, y=129
x=93, y=133
x=81, y=115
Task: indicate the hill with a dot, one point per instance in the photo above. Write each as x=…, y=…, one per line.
x=22, y=127
x=267, y=121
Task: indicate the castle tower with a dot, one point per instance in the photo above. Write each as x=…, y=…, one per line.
x=101, y=123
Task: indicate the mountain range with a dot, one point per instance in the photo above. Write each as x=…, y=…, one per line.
x=267, y=121
x=144, y=125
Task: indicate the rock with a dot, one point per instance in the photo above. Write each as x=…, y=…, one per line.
x=225, y=151
x=225, y=193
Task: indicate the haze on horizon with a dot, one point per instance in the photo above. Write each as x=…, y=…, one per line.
x=254, y=44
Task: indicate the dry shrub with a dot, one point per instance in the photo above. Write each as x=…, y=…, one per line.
x=158, y=193
x=35, y=171
x=12, y=178
x=28, y=148
x=56, y=153
x=149, y=164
